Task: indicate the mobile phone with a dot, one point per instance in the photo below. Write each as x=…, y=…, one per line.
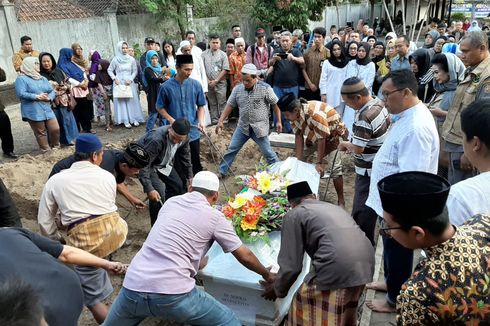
x=283, y=55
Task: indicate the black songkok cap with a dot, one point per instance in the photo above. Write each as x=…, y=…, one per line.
x=181, y=126
x=413, y=194
x=183, y=59
x=285, y=101
x=298, y=189
x=136, y=156
x=277, y=28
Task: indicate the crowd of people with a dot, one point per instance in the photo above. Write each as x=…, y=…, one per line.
x=416, y=121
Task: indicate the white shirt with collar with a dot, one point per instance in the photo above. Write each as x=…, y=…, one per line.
x=412, y=144
x=83, y=190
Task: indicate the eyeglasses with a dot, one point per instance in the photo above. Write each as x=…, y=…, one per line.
x=387, y=94
x=386, y=232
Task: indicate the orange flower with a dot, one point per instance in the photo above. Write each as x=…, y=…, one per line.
x=228, y=211
x=252, y=183
x=249, y=222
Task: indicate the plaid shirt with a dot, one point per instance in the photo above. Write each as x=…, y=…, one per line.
x=253, y=107
x=317, y=120
x=237, y=61
x=214, y=63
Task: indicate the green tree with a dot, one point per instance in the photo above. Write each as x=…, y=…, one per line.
x=289, y=13
x=174, y=10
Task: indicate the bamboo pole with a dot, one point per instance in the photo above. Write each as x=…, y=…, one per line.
x=388, y=14
x=415, y=19
x=423, y=21
x=403, y=18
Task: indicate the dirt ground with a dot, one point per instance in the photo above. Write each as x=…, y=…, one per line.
x=26, y=177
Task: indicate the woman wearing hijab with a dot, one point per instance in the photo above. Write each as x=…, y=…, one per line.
x=60, y=105
x=381, y=62
x=97, y=98
x=448, y=72
x=438, y=44
x=153, y=77
x=421, y=67
x=430, y=39
x=371, y=40
x=104, y=84
x=333, y=74
x=474, y=27
x=78, y=80
x=77, y=57
x=352, y=50
x=123, y=70
x=35, y=94
x=364, y=69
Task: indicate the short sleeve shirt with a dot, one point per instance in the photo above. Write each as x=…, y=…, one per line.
x=253, y=106
x=169, y=259
x=286, y=72
x=214, y=63
x=318, y=120
x=181, y=101
x=33, y=258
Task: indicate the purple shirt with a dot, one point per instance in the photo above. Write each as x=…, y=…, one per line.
x=182, y=234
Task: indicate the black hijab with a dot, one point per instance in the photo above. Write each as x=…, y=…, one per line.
x=366, y=59
x=348, y=47
x=379, y=58
x=342, y=60
x=55, y=73
x=422, y=59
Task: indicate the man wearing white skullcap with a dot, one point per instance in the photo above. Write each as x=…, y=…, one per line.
x=161, y=275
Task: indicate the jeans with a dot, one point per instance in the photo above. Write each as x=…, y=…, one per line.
x=238, y=140
x=286, y=126
x=455, y=173
x=398, y=262
x=193, y=308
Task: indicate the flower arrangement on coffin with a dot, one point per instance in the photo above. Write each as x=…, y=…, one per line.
x=259, y=208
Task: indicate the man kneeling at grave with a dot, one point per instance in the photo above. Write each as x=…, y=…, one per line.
x=450, y=287
x=322, y=126
x=160, y=280
x=342, y=261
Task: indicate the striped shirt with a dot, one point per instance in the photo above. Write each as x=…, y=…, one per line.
x=369, y=131
x=318, y=120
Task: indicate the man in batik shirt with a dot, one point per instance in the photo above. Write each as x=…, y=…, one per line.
x=451, y=286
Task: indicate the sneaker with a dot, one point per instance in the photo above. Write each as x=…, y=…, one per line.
x=11, y=155
x=136, y=124
x=127, y=125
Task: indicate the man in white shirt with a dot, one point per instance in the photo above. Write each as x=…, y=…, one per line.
x=85, y=196
x=412, y=144
x=472, y=196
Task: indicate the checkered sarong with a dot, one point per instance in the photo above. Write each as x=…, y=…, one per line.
x=100, y=236
x=313, y=307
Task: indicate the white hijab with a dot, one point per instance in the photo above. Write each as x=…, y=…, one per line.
x=30, y=67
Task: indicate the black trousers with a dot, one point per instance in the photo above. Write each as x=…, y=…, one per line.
x=9, y=217
x=6, y=133
x=364, y=215
x=167, y=187
x=195, y=146
x=84, y=113
x=307, y=94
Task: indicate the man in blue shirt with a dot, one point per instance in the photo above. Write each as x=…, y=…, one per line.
x=183, y=97
x=401, y=61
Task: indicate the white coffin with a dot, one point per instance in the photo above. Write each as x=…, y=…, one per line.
x=238, y=288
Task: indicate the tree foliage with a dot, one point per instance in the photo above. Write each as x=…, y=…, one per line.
x=175, y=10
x=289, y=13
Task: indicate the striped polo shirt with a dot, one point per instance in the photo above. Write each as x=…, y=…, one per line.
x=369, y=131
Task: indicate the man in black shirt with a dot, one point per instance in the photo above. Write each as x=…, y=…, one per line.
x=39, y=262
x=121, y=164
x=8, y=211
x=287, y=63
